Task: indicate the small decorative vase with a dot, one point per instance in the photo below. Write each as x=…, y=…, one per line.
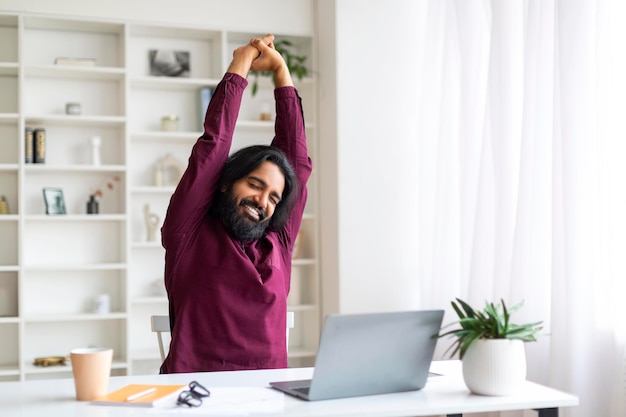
x=494, y=366
x=96, y=141
x=92, y=205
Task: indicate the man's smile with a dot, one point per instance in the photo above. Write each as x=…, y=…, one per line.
x=254, y=213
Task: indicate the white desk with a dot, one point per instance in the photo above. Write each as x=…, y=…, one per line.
x=442, y=395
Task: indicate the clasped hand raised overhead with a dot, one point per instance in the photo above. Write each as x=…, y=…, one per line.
x=260, y=55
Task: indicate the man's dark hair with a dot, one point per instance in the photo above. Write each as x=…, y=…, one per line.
x=246, y=160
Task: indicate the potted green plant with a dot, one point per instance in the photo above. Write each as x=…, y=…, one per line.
x=490, y=346
x=295, y=63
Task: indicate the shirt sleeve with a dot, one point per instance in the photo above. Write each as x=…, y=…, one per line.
x=193, y=195
x=290, y=136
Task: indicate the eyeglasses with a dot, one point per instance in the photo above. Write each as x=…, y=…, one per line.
x=193, y=396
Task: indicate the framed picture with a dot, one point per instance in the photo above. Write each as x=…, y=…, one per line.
x=53, y=197
x=169, y=63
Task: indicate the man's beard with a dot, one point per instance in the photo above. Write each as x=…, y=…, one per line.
x=239, y=225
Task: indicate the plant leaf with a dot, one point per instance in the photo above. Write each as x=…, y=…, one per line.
x=493, y=322
x=467, y=308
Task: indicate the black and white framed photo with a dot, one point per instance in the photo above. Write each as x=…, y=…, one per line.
x=169, y=63
x=55, y=203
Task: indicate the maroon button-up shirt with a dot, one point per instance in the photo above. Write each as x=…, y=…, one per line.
x=228, y=299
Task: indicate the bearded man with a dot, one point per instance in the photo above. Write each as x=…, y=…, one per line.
x=230, y=229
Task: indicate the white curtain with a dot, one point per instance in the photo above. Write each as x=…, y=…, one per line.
x=522, y=190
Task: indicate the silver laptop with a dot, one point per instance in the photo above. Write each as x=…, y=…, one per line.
x=366, y=354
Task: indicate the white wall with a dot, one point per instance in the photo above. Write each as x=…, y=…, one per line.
x=372, y=152
x=291, y=17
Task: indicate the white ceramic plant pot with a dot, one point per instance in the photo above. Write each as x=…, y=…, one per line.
x=494, y=366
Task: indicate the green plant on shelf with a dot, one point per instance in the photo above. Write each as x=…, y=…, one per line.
x=295, y=63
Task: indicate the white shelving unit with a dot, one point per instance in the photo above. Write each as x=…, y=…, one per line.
x=52, y=267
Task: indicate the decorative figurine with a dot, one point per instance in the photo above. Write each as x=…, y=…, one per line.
x=152, y=222
x=169, y=170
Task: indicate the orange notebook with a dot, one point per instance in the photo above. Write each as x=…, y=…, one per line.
x=141, y=395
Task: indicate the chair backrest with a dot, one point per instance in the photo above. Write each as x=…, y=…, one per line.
x=161, y=324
